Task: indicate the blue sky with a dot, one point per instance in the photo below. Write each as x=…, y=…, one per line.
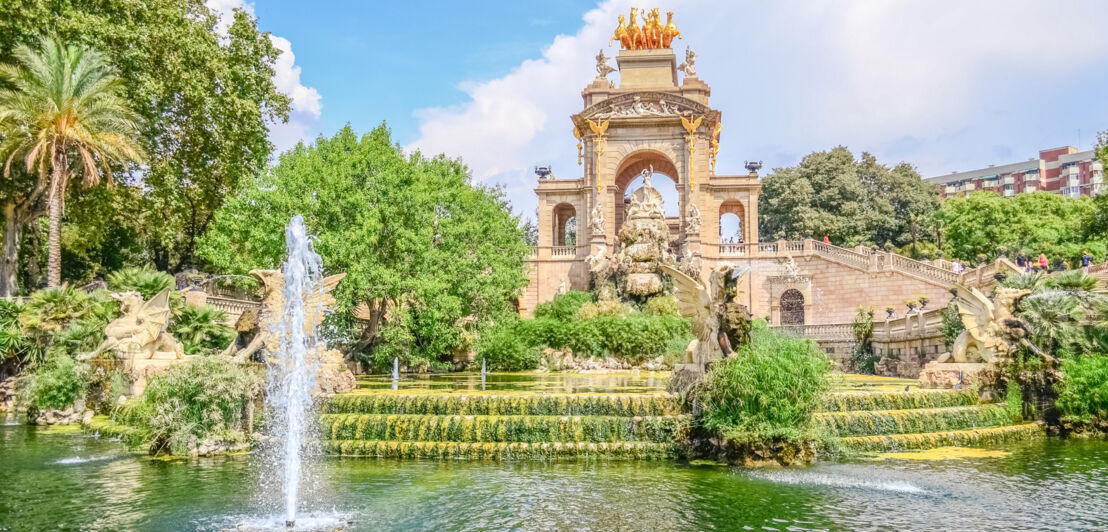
x=943, y=85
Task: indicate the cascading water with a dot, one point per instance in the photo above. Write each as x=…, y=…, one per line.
x=292, y=369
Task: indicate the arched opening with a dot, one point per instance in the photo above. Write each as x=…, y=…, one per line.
x=792, y=307
x=731, y=223
x=665, y=179
x=565, y=225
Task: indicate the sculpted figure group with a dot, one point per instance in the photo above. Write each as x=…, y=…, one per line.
x=652, y=34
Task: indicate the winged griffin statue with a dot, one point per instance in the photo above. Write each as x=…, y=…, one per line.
x=707, y=307
x=333, y=374
x=141, y=332
x=990, y=325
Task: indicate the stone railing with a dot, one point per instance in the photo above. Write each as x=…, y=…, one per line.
x=923, y=323
x=563, y=251
x=825, y=332
x=861, y=258
x=233, y=307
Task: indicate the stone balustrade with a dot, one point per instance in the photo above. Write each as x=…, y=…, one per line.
x=820, y=333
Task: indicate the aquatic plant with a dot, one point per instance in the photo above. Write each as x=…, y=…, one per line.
x=56, y=383
x=535, y=405
x=844, y=402
x=877, y=422
x=1083, y=395
x=500, y=428
x=768, y=391
x=192, y=402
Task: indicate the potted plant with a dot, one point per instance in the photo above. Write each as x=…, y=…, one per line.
x=923, y=300
x=889, y=311
x=911, y=304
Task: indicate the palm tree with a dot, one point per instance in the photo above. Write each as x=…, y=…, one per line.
x=64, y=105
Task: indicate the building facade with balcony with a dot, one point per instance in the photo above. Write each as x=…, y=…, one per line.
x=1064, y=171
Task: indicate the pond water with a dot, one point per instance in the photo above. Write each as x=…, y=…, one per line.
x=54, y=480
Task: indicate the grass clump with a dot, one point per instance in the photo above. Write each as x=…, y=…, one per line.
x=1083, y=396
x=202, y=400
x=768, y=392
x=57, y=383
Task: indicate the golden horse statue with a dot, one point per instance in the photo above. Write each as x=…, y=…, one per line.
x=670, y=31
x=622, y=35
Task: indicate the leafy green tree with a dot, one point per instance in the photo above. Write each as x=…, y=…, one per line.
x=205, y=99
x=853, y=201
x=64, y=105
x=1039, y=222
x=423, y=248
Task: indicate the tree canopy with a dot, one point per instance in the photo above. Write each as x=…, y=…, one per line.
x=64, y=105
x=425, y=251
x=205, y=100
x=852, y=201
x=1038, y=222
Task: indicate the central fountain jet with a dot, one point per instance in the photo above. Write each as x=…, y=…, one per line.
x=295, y=361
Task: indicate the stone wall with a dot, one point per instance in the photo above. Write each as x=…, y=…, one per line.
x=907, y=343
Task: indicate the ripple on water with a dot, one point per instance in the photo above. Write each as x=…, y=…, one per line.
x=811, y=478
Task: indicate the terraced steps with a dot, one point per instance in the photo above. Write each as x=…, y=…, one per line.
x=850, y=401
x=498, y=429
x=879, y=422
x=504, y=450
x=929, y=440
x=627, y=405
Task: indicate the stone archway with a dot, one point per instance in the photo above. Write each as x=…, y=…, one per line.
x=731, y=218
x=631, y=167
x=565, y=217
x=792, y=307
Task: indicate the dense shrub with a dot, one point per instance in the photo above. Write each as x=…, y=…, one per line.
x=1083, y=395
x=604, y=307
x=142, y=280
x=564, y=306
x=505, y=349
x=637, y=337
x=769, y=391
x=56, y=383
x=201, y=329
x=60, y=321
x=661, y=306
x=192, y=402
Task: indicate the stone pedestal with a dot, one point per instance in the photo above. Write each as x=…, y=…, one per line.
x=950, y=375
x=647, y=68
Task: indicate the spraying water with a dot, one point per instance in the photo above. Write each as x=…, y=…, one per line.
x=482, y=373
x=292, y=369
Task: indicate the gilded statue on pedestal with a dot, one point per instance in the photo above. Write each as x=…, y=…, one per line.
x=651, y=35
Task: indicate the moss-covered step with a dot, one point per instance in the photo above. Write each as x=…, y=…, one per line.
x=505, y=405
x=847, y=401
x=878, y=422
x=104, y=427
x=534, y=429
x=929, y=440
x=504, y=450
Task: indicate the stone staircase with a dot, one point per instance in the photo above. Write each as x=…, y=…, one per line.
x=505, y=426
x=889, y=421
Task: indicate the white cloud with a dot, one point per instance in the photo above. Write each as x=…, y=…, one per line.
x=939, y=84
x=306, y=101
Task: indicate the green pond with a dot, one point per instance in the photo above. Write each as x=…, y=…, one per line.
x=59, y=480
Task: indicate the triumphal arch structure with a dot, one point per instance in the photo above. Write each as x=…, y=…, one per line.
x=657, y=117
x=651, y=119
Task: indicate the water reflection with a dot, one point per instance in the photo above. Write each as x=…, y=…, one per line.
x=1047, y=485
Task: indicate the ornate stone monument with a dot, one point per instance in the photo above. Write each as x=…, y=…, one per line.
x=648, y=118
